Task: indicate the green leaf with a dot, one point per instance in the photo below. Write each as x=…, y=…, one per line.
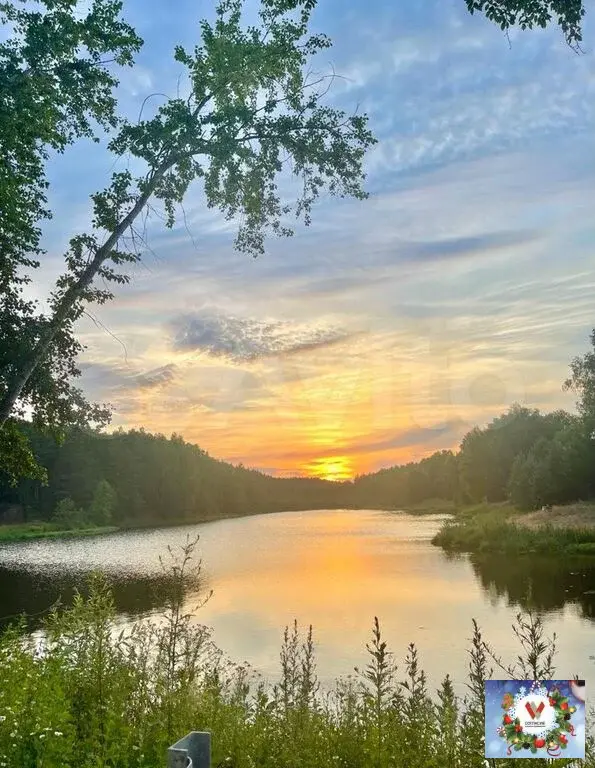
x=253, y=110
x=16, y=457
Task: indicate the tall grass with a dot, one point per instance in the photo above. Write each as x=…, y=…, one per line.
x=90, y=697
x=27, y=531
x=490, y=529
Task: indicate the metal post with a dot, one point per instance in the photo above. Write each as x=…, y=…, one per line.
x=193, y=751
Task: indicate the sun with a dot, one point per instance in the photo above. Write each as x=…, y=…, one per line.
x=336, y=469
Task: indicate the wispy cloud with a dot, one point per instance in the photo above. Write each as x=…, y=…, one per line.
x=463, y=247
x=156, y=377
x=117, y=377
x=247, y=339
x=363, y=446
x=390, y=326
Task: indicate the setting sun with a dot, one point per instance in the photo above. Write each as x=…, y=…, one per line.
x=334, y=468
x=297, y=395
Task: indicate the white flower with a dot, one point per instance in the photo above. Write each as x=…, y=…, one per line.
x=58, y=733
x=2, y=719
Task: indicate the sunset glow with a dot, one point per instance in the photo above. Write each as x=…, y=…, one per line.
x=391, y=326
x=336, y=469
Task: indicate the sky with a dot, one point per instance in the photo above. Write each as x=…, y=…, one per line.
x=389, y=327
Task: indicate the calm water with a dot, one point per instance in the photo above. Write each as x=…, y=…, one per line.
x=333, y=569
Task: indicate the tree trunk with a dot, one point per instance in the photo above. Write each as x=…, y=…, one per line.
x=67, y=302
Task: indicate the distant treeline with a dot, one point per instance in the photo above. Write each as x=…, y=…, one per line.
x=137, y=478
x=155, y=480
x=523, y=456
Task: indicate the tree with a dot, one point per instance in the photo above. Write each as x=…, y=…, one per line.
x=555, y=471
x=67, y=515
x=527, y=14
x=251, y=108
x=487, y=455
x=582, y=382
x=249, y=104
x=56, y=81
x=521, y=483
x=136, y=478
x=103, y=505
x=476, y=463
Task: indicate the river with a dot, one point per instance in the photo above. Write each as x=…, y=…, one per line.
x=334, y=569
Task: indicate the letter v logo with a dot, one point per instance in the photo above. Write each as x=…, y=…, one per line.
x=532, y=710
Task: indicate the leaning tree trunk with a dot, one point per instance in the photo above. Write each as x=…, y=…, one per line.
x=17, y=383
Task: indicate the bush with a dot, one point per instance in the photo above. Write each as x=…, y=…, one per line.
x=67, y=515
x=103, y=504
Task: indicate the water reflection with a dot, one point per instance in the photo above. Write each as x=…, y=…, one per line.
x=334, y=569
x=542, y=584
x=34, y=592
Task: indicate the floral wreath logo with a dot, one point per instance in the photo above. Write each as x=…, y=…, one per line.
x=537, y=719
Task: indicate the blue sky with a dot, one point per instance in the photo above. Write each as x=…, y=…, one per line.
x=465, y=282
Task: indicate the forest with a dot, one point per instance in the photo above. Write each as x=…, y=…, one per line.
x=152, y=480
x=134, y=478
x=522, y=456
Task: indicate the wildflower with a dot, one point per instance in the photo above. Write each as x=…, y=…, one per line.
x=58, y=733
x=2, y=718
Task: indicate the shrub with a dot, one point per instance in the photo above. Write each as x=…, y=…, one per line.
x=103, y=504
x=67, y=515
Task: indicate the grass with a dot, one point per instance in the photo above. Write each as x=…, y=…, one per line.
x=492, y=528
x=93, y=698
x=577, y=515
x=29, y=531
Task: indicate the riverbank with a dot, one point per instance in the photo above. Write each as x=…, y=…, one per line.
x=29, y=531
x=15, y=532
x=500, y=528
x=431, y=507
